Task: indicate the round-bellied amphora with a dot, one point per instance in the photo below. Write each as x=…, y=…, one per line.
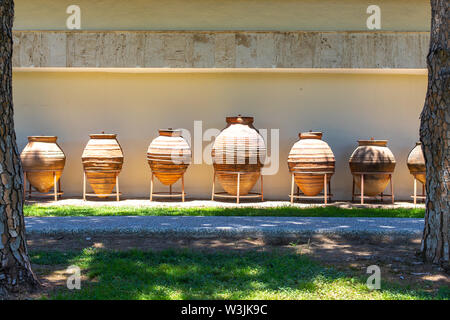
x=416, y=163
x=102, y=162
x=43, y=160
x=238, y=148
x=309, y=159
x=169, y=156
x=372, y=156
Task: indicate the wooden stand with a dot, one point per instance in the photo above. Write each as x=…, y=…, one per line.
x=169, y=194
x=326, y=195
x=250, y=195
x=362, y=196
x=116, y=194
x=56, y=187
x=415, y=196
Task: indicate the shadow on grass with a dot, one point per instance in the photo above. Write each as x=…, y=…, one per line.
x=186, y=274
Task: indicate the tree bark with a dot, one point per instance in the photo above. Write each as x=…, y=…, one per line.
x=15, y=267
x=435, y=137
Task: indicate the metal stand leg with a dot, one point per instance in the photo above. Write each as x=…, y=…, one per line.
x=353, y=189
x=55, y=186
x=84, y=186
x=325, y=192
x=25, y=185
x=182, y=188
x=213, y=186
x=362, y=188
x=117, y=189
x=151, y=188
x=30, y=189
x=392, y=188
x=415, y=191
x=423, y=193
x=292, y=188
x=238, y=185
x=329, y=188
x=262, y=189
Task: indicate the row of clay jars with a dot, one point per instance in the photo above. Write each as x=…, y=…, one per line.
x=310, y=155
x=102, y=158
x=169, y=156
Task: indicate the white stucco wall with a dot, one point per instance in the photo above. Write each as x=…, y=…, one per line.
x=346, y=107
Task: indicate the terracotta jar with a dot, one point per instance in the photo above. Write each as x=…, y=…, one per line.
x=311, y=154
x=372, y=156
x=416, y=163
x=169, y=155
x=238, y=148
x=102, y=161
x=40, y=158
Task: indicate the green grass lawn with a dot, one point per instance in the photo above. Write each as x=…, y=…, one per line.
x=198, y=275
x=60, y=211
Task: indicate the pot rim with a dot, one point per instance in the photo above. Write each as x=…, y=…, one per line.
x=311, y=135
x=103, y=136
x=239, y=120
x=169, y=132
x=373, y=142
x=42, y=138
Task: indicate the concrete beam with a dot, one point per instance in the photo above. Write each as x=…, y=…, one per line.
x=198, y=49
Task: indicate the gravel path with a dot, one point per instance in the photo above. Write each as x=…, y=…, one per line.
x=220, y=226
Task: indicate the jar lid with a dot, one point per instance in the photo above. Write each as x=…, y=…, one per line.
x=373, y=142
x=169, y=132
x=310, y=135
x=240, y=120
x=103, y=136
x=42, y=138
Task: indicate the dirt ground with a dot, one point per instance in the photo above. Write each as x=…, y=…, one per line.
x=397, y=258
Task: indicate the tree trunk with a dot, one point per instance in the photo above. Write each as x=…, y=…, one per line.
x=15, y=268
x=435, y=138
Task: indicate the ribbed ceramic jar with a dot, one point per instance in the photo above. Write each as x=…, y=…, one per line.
x=416, y=163
x=169, y=155
x=311, y=154
x=40, y=158
x=238, y=148
x=372, y=156
x=102, y=161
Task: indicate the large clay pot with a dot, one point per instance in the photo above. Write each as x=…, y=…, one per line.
x=169, y=156
x=40, y=158
x=372, y=156
x=238, y=148
x=102, y=161
x=311, y=154
x=416, y=163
